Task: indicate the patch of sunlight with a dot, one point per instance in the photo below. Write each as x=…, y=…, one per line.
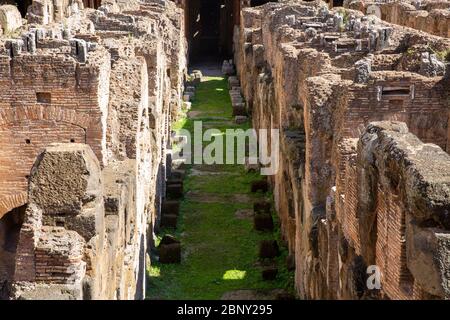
x=158, y=239
x=155, y=271
x=179, y=124
x=219, y=89
x=234, y=275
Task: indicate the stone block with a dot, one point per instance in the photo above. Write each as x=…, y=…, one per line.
x=240, y=119
x=260, y=185
x=178, y=174
x=197, y=73
x=173, y=181
x=239, y=111
x=262, y=207
x=171, y=207
x=268, y=249
x=269, y=273
x=238, y=102
x=263, y=222
x=428, y=258
x=169, y=221
x=228, y=68
x=251, y=164
x=174, y=191
x=233, y=82
x=169, y=250
x=178, y=164
x=191, y=94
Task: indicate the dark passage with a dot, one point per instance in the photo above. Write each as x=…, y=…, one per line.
x=209, y=28
x=256, y=3
x=10, y=226
x=22, y=5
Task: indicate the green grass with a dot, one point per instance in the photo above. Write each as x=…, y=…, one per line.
x=219, y=250
x=236, y=181
x=212, y=98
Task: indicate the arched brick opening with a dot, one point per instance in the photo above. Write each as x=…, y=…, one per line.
x=22, y=5
x=21, y=141
x=10, y=225
x=10, y=201
x=90, y=123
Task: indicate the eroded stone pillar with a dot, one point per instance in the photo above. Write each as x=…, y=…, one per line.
x=62, y=235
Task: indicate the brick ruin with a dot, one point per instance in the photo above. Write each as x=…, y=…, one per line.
x=88, y=92
x=432, y=16
x=363, y=109
x=74, y=77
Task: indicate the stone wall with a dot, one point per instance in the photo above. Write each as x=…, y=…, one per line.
x=106, y=84
x=322, y=78
x=430, y=16
x=10, y=19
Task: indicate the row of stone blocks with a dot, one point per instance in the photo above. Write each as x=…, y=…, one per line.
x=234, y=86
x=237, y=101
x=30, y=41
x=191, y=85
x=263, y=222
x=170, y=248
x=228, y=68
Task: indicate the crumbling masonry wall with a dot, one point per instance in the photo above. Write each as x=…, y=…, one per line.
x=351, y=191
x=430, y=16
x=104, y=85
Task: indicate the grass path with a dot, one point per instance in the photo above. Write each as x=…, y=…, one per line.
x=220, y=250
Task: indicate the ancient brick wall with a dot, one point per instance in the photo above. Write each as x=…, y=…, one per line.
x=112, y=79
x=322, y=77
x=429, y=16
x=52, y=95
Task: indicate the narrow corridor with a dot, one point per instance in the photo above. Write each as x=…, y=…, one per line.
x=219, y=244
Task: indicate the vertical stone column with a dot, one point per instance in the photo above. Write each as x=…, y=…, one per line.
x=61, y=240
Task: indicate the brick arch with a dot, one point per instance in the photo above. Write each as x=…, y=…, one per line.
x=91, y=122
x=12, y=201
x=39, y=112
x=24, y=131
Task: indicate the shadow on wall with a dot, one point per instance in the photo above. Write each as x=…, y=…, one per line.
x=22, y=5
x=256, y=3
x=10, y=226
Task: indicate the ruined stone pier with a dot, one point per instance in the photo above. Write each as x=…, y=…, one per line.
x=362, y=106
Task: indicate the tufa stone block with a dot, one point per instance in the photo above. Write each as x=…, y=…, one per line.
x=262, y=207
x=169, y=221
x=268, y=249
x=169, y=250
x=260, y=185
x=171, y=207
x=263, y=222
x=174, y=191
x=269, y=273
